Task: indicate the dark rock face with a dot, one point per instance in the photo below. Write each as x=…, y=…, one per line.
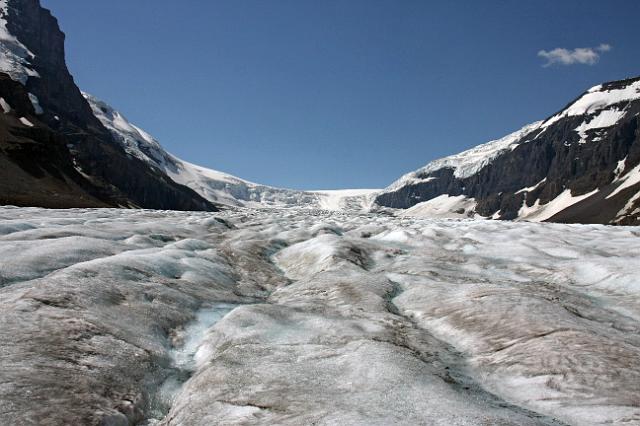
x=556, y=154
x=118, y=178
x=35, y=165
x=37, y=29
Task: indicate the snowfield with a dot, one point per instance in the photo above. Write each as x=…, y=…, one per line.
x=284, y=316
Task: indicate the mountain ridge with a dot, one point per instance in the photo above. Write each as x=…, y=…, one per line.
x=213, y=185
x=590, y=147
x=580, y=164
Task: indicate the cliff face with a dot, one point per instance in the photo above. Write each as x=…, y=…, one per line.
x=116, y=177
x=580, y=165
x=57, y=92
x=35, y=166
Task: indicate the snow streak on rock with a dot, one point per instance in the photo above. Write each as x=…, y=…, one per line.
x=597, y=99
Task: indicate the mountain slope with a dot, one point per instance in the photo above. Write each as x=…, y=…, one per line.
x=580, y=165
x=117, y=163
x=35, y=166
x=215, y=186
x=32, y=53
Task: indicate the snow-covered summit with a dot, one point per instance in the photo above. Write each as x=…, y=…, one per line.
x=469, y=162
x=603, y=97
x=15, y=58
x=134, y=140
x=214, y=185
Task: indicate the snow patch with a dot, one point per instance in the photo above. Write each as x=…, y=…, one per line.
x=443, y=206
x=532, y=188
x=627, y=209
x=26, y=122
x=620, y=168
x=36, y=104
x=595, y=100
x=541, y=212
x=6, y=108
x=606, y=118
x=629, y=179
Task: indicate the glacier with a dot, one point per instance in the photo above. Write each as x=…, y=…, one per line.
x=217, y=186
x=303, y=316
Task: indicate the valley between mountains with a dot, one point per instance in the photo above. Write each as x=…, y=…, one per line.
x=497, y=286
x=61, y=147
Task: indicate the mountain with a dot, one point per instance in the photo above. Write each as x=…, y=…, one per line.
x=581, y=165
x=35, y=166
x=216, y=186
x=32, y=54
x=60, y=147
x=99, y=158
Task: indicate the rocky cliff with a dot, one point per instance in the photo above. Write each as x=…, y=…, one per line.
x=581, y=165
x=33, y=54
x=35, y=165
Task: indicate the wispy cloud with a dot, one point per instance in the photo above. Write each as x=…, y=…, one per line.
x=580, y=55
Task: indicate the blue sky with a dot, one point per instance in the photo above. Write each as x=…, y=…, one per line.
x=341, y=93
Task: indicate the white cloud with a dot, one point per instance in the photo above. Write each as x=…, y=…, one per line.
x=604, y=47
x=580, y=55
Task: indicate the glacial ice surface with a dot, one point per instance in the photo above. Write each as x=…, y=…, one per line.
x=315, y=317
